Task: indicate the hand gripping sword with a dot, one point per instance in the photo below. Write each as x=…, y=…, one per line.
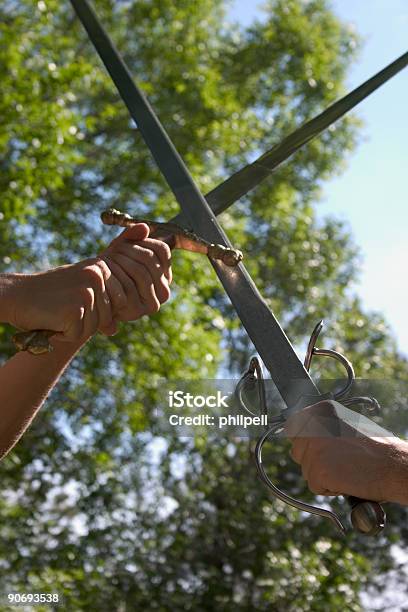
x=289, y=374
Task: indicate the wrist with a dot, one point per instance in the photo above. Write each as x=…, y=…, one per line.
x=10, y=285
x=62, y=347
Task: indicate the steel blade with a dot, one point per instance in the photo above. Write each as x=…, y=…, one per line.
x=263, y=328
x=240, y=183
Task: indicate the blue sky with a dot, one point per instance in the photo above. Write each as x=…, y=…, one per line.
x=372, y=193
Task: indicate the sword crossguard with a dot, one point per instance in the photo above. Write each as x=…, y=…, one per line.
x=367, y=517
x=180, y=237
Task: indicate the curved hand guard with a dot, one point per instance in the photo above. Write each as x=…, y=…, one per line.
x=367, y=517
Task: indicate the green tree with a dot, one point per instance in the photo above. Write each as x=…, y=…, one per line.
x=97, y=504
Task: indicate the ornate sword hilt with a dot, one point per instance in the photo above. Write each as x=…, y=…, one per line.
x=367, y=517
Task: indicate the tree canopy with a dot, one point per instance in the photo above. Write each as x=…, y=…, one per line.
x=96, y=503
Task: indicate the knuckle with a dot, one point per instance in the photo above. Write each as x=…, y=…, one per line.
x=149, y=256
x=119, y=301
x=326, y=408
x=87, y=297
x=104, y=268
x=80, y=312
x=164, y=248
x=76, y=315
x=94, y=276
x=148, y=259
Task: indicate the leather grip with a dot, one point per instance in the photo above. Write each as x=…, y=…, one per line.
x=367, y=517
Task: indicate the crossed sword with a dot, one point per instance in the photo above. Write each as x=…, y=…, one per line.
x=290, y=376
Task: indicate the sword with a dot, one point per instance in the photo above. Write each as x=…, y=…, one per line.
x=290, y=376
x=263, y=328
x=249, y=176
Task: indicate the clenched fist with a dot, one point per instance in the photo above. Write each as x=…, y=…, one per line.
x=129, y=279
x=343, y=452
x=139, y=273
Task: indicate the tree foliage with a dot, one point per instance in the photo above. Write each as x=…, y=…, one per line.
x=96, y=504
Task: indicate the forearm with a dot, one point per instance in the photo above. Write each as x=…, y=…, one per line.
x=25, y=382
x=8, y=283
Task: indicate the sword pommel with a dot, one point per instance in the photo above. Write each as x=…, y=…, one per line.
x=115, y=217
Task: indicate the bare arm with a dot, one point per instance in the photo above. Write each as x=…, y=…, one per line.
x=130, y=279
x=25, y=382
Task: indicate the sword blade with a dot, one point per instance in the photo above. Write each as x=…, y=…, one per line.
x=241, y=182
x=269, y=339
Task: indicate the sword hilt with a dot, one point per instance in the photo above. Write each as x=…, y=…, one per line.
x=367, y=517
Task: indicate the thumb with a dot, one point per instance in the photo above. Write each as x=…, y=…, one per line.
x=138, y=231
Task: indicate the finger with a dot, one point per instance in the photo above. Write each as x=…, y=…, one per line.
x=103, y=307
x=307, y=464
x=75, y=328
x=136, y=254
x=101, y=276
x=142, y=277
x=116, y=293
x=314, y=472
x=298, y=450
x=138, y=231
x=133, y=308
x=91, y=321
x=316, y=487
x=163, y=253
